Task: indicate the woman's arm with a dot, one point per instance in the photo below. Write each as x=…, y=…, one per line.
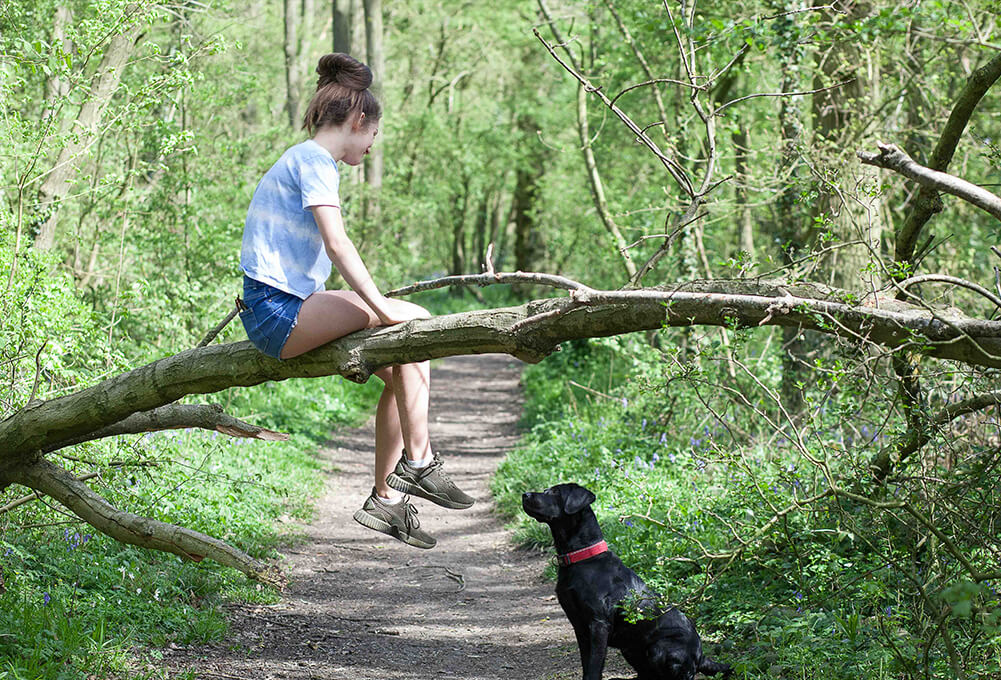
x=344, y=255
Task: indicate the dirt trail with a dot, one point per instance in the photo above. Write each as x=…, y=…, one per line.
x=366, y=607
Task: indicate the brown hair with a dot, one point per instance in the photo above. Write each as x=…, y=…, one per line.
x=341, y=90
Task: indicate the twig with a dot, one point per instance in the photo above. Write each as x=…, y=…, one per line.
x=211, y=335
x=488, y=279
x=956, y=281
x=672, y=167
x=36, y=495
x=781, y=94
x=38, y=372
x=670, y=236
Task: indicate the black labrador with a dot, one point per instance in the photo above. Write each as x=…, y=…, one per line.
x=596, y=589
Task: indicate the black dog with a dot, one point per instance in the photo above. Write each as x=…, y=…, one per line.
x=593, y=586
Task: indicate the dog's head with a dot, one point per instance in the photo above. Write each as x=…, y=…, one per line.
x=556, y=502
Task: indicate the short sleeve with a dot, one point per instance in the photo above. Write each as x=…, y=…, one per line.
x=319, y=181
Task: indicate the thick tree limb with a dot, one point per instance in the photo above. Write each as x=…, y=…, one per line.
x=52, y=480
x=890, y=157
x=46, y=426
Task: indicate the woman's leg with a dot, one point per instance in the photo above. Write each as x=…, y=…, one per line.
x=325, y=316
x=402, y=413
x=388, y=434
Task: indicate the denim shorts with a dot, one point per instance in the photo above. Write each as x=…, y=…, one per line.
x=269, y=317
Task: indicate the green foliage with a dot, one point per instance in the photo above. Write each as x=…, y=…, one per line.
x=687, y=448
x=744, y=534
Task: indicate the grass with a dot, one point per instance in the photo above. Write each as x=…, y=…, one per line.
x=77, y=604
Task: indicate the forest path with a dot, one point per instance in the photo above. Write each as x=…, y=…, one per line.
x=366, y=607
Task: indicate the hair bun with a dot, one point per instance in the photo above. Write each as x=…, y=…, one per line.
x=344, y=70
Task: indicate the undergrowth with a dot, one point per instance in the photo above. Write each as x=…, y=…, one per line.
x=705, y=491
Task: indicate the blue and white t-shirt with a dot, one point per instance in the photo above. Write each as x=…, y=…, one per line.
x=281, y=242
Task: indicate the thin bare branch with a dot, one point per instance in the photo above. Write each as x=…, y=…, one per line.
x=730, y=103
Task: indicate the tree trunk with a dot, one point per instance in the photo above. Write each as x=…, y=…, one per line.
x=293, y=83
x=598, y=189
x=745, y=222
x=377, y=62
x=343, y=20
x=56, y=88
x=789, y=222
x=836, y=115
x=106, y=80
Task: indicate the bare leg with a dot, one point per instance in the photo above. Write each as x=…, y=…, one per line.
x=388, y=435
x=402, y=414
x=413, y=385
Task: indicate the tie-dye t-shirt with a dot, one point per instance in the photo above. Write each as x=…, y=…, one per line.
x=281, y=242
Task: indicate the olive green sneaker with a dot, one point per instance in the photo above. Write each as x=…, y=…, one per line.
x=398, y=520
x=431, y=483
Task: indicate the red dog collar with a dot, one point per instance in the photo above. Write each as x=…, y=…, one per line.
x=582, y=554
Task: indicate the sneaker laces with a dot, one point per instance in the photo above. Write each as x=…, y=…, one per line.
x=410, y=520
x=437, y=464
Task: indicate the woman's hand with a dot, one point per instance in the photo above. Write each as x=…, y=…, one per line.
x=393, y=312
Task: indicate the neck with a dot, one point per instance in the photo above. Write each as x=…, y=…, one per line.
x=332, y=139
x=580, y=532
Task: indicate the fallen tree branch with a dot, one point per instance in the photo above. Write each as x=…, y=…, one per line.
x=891, y=157
x=143, y=398
x=178, y=416
x=47, y=426
x=56, y=482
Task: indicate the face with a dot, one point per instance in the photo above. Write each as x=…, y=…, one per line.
x=360, y=138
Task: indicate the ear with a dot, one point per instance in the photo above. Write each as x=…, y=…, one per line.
x=576, y=499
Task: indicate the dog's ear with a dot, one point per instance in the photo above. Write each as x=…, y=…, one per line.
x=576, y=499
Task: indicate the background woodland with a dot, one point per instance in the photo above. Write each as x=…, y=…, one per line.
x=826, y=500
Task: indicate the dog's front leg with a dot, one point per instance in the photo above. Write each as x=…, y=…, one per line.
x=592, y=640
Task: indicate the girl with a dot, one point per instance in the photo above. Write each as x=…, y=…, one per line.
x=293, y=233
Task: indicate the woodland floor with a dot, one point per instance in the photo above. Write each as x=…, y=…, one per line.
x=366, y=607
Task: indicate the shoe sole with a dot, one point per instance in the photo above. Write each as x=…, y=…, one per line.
x=403, y=485
x=366, y=520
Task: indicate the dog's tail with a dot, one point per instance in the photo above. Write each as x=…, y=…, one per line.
x=709, y=667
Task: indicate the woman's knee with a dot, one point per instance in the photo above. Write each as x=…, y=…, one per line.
x=385, y=374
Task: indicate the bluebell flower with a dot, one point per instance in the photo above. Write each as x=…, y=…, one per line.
x=627, y=523
x=888, y=611
x=798, y=595
x=663, y=438
x=671, y=457
x=46, y=599
x=643, y=425
x=654, y=457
